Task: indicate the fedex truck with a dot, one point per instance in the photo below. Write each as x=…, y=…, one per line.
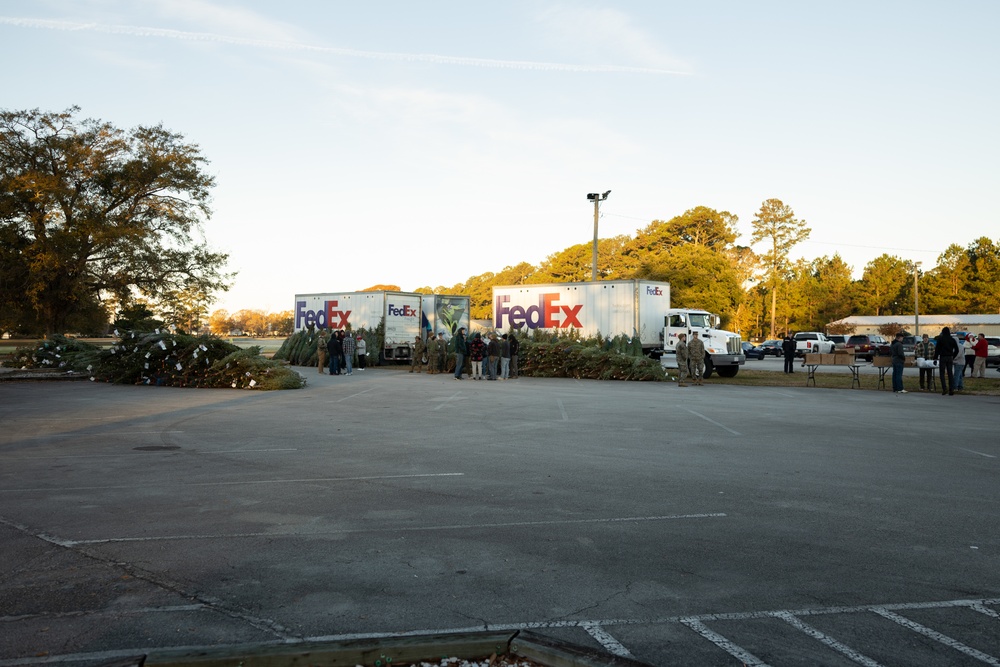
x=354, y=310
x=612, y=307
x=445, y=313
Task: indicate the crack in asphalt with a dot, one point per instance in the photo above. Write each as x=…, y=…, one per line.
x=212, y=603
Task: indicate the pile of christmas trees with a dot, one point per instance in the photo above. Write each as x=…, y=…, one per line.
x=162, y=359
x=596, y=358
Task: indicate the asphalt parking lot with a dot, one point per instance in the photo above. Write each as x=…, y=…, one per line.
x=715, y=525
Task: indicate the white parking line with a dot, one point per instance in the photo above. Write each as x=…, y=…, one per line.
x=738, y=652
x=354, y=395
x=828, y=640
x=972, y=451
x=562, y=409
x=696, y=623
x=245, y=482
x=610, y=644
x=937, y=636
x=712, y=421
x=353, y=531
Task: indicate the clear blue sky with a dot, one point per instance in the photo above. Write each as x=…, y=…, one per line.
x=420, y=143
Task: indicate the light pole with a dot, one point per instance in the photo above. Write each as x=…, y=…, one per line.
x=597, y=199
x=916, y=302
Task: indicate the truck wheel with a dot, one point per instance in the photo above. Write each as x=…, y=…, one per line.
x=728, y=371
x=708, y=368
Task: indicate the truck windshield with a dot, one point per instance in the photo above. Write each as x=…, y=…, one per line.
x=699, y=320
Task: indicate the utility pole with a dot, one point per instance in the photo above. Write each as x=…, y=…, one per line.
x=597, y=199
x=916, y=301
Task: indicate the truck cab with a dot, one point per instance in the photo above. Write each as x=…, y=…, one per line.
x=723, y=349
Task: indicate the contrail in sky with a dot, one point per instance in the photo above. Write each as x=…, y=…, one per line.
x=139, y=31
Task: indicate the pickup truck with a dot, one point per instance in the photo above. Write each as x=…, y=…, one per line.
x=812, y=342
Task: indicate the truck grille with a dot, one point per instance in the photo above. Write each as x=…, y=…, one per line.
x=734, y=345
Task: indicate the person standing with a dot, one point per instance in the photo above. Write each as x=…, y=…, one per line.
x=493, y=353
x=970, y=352
x=925, y=350
x=362, y=353
x=349, y=347
x=417, y=354
x=515, y=346
x=432, y=355
x=945, y=350
x=504, y=357
x=321, y=350
x=442, y=347
x=336, y=349
x=696, y=354
x=683, y=369
x=982, y=348
x=959, y=363
x=898, y=358
x=477, y=350
x=788, y=347
x=461, y=349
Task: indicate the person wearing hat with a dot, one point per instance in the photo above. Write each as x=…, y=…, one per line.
x=417, y=354
x=898, y=359
x=362, y=353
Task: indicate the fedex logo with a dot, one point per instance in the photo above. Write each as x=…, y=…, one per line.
x=546, y=315
x=328, y=317
x=653, y=291
x=404, y=311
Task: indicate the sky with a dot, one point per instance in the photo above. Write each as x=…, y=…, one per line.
x=421, y=143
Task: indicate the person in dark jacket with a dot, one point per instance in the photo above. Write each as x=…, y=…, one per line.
x=898, y=359
x=514, y=347
x=945, y=349
x=788, y=347
x=336, y=348
x=460, y=351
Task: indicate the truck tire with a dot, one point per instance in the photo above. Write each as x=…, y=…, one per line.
x=709, y=367
x=728, y=371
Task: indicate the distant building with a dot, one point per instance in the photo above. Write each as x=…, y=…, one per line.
x=929, y=324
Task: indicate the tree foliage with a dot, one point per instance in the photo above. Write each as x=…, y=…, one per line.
x=777, y=226
x=89, y=210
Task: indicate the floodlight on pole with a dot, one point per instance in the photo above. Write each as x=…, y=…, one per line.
x=597, y=199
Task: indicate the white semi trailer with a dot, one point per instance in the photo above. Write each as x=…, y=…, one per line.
x=612, y=307
x=340, y=310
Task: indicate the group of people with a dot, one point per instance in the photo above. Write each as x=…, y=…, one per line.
x=953, y=356
x=690, y=359
x=339, y=347
x=485, y=355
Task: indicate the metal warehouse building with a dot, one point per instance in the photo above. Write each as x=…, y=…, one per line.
x=929, y=324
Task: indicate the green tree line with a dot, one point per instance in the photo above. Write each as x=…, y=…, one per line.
x=698, y=253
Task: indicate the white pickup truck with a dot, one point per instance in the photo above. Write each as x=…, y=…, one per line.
x=812, y=342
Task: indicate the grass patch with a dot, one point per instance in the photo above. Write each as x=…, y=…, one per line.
x=988, y=386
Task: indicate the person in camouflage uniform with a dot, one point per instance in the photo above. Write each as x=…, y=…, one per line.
x=683, y=370
x=321, y=350
x=432, y=355
x=696, y=353
x=417, y=354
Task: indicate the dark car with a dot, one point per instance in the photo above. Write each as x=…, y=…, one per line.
x=752, y=351
x=869, y=346
x=771, y=348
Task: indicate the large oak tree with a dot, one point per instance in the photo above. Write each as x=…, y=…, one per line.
x=90, y=210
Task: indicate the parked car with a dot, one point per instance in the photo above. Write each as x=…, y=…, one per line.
x=869, y=346
x=771, y=348
x=993, y=353
x=839, y=340
x=752, y=351
x=909, y=342
x=812, y=342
